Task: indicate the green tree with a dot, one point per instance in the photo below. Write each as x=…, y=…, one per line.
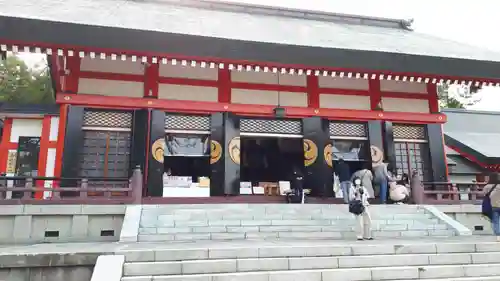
x=21, y=84
x=458, y=97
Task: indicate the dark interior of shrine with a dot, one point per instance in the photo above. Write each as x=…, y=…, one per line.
x=270, y=159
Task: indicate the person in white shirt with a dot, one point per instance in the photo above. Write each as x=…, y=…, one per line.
x=364, y=220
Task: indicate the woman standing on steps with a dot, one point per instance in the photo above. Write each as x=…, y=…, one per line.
x=358, y=195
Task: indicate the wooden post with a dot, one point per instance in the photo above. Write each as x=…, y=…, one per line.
x=28, y=185
x=136, y=186
x=84, y=185
x=417, y=189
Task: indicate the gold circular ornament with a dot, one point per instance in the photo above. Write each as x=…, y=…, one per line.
x=158, y=149
x=377, y=154
x=234, y=150
x=310, y=152
x=327, y=153
x=215, y=151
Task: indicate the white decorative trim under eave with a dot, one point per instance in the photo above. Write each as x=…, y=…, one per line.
x=244, y=67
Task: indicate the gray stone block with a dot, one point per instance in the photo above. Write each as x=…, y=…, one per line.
x=395, y=273
x=190, y=223
x=209, y=266
x=137, y=255
x=173, y=230
x=262, y=264
x=255, y=222
x=152, y=268
x=279, y=252
x=415, y=233
x=301, y=222
x=443, y=248
x=209, y=229
x=441, y=271
x=224, y=223
x=313, y=263
x=227, y=236
x=155, y=237
x=192, y=236
x=481, y=270
x=261, y=235
x=181, y=254
x=358, y=274
x=148, y=230
x=250, y=276
x=242, y=229
x=450, y=259
x=233, y=253
x=310, y=235
x=485, y=258
x=139, y=278
x=298, y=275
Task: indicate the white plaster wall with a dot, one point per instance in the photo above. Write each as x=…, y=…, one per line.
x=54, y=128
x=49, y=170
x=405, y=105
x=242, y=96
x=403, y=87
x=25, y=128
x=344, y=102
x=268, y=78
x=113, y=66
x=110, y=87
x=183, y=92
x=167, y=70
x=343, y=83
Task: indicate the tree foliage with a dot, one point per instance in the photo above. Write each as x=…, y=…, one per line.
x=460, y=96
x=21, y=84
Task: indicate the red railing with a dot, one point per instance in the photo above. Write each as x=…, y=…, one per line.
x=22, y=190
x=451, y=193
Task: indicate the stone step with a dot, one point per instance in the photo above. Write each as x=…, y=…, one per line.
x=348, y=274
x=286, y=228
x=290, y=249
x=304, y=263
x=288, y=235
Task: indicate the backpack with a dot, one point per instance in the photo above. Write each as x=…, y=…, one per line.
x=356, y=207
x=486, y=208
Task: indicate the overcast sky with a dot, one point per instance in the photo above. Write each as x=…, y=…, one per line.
x=473, y=22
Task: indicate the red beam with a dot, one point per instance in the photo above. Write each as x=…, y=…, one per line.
x=403, y=95
x=375, y=94
x=111, y=76
x=188, y=82
x=244, y=109
x=71, y=79
x=433, y=98
x=313, y=91
x=151, y=77
x=224, y=85
x=77, y=49
x=5, y=145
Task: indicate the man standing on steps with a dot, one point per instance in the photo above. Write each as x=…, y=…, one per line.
x=343, y=172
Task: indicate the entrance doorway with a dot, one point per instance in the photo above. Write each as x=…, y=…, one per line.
x=270, y=159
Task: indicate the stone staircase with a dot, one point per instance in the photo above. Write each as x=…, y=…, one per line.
x=391, y=259
x=281, y=221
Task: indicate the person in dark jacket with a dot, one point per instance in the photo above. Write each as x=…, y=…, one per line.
x=297, y=188
x=344, y=173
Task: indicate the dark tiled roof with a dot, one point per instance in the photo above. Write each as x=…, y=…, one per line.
x=463, y=166
x=248, y=23
x=476, y=130
x=39, y=109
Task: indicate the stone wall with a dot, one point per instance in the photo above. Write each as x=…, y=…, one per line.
x=25, y=224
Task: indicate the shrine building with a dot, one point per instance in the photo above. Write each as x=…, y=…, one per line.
x=225, y=95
